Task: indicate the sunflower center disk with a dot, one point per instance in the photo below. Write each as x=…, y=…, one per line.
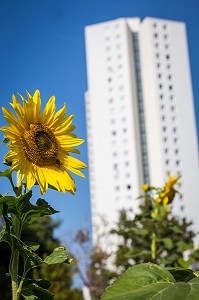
x=40, y=145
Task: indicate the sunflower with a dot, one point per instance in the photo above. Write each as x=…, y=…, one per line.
x=40, y=143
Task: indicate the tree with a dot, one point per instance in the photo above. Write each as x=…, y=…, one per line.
x=59, y=275
x=155, y=234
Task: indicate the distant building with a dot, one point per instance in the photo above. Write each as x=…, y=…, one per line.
x=140, y=115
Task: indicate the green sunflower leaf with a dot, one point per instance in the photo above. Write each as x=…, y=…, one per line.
x=43, y=283
x=32, y=290
x=149, y=281
x=181, y=274
x=6, y=173
x=59, y=255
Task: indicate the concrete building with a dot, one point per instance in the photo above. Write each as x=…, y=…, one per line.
x=140, y=115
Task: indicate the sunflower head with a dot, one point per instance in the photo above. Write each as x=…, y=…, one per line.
x=40, y=144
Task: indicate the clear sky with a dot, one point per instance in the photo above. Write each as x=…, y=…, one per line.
x=42, y=47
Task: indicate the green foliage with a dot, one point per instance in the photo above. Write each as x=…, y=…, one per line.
x=40, y=232
x=150, y=281
x=139, y=236
x=18, y=213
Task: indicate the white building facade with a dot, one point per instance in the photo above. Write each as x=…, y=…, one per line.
x=140, y=115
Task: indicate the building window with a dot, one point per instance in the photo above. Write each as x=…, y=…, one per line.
x=128, y=186
x=176, y=151
x=165, y=139
x=164, y=128
x=171, y=97
x=155, y=35
x=163, y=118
x=115, y=166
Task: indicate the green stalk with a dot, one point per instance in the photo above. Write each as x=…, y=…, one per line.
x=153, y=246
x=14, y=262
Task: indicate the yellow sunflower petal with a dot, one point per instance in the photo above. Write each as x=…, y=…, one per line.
x=37, y=102
x=48, y=113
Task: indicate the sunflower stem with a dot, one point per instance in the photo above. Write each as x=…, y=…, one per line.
x=14, y=262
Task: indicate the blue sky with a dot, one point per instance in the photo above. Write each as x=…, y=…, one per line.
x=42, y=47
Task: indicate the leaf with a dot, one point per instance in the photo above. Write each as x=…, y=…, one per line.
x=183, y=246
x=5, y=232
x=176, y=229
x=24, y=210
x=181, y=274
x=44, y=204
x=168, y=243
x=149, y=281
x=7, y=173
x=10, y=202
x=139, y=231
x=43, y=283
x=186, y=263
x=30, y=258
x=34, y=246
x=138, y=253
x=32, y=297
x=35, y=292
x=31, y=212
x=59, y=255
x=137, y=277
